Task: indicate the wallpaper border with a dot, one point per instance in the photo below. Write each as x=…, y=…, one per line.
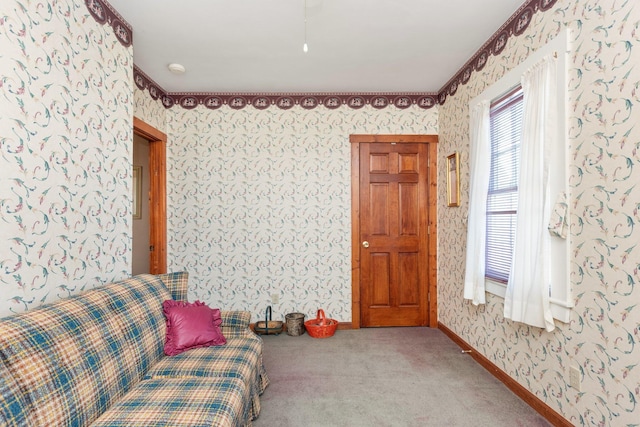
x=515, y=26
x=284, y=101
x=104, y=13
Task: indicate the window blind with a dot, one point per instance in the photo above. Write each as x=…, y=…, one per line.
x=502, y=199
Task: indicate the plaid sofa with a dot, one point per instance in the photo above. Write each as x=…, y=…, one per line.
x=97, y=359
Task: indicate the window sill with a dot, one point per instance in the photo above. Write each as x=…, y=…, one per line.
x=496, y=288
x=561, y=310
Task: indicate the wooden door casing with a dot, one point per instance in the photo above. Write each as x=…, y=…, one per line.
x=394, y=279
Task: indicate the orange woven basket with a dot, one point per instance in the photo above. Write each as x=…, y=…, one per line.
x=321, y=327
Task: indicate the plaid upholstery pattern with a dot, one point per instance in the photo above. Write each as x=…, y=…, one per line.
x=11, y=401
x=236, y=324
x=177, y=283
x=71, y=360
x=178, y=402
x=239, y=358
x=100, y=355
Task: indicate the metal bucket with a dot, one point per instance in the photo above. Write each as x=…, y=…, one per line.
x=295, y=324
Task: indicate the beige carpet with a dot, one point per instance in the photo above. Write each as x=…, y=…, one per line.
x=383, y=377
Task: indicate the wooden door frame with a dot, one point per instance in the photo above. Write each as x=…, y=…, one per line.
x=432, y=204
x=157, y=194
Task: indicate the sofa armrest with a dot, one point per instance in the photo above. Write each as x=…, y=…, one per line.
x=235, y=323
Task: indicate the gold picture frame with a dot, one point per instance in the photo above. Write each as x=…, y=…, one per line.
x=453, y=179
x=137, y=192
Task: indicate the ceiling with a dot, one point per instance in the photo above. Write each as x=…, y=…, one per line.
x=354, y=45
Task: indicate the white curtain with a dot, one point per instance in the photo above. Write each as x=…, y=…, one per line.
x=480, y=158
x=527, y=296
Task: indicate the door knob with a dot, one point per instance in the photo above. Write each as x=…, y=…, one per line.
x=365, y=244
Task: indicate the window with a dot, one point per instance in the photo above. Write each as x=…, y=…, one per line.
x=495, y=124
x=502, y=199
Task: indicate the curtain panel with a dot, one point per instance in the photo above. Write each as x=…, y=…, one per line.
x=527, y=295
x=480, y=157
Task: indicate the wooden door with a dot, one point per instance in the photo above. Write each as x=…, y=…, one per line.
x=394, y=234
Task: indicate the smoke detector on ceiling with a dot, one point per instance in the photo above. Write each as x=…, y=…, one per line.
x=176, y=68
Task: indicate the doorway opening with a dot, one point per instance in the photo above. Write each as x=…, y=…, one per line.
x=157, y=194
x=140, y=259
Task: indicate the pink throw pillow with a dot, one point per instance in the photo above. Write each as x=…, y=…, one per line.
x=191, y=325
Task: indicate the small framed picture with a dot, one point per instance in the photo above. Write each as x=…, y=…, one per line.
x=453, y=179
x=137, y=192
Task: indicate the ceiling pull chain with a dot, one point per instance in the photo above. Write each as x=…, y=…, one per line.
x=305, y=47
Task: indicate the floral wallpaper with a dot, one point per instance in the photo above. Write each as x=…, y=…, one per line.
x=602, y=340
x=260, y=202
x=65, y=138
x=149, y=110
